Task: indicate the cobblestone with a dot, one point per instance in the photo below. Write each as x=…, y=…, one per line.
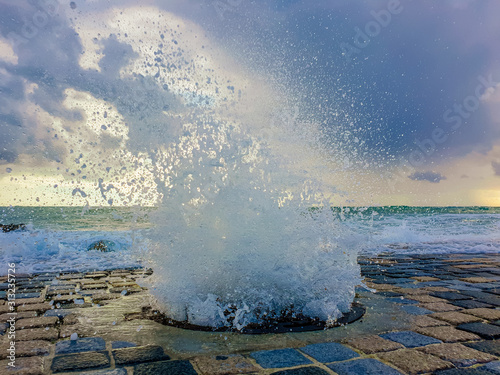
x=413, y=361
x=165, y=367
x=139, y=354
x=80, y=361
x=374, y=344
x=458, y=354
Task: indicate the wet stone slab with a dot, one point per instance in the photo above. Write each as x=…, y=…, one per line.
x=448, y=334
x=459, y=355
x=413, y=361
x=410, y=339
x=80, y=345
x=80, y=361
x=165, y=367
x=368, y=366
x=279, y=358
x=225, y=364
x=489, y=346
x=139, y=354
x=374, y=344
x=116, y=371
x=487, y=331
x=312, y=370
x=329, y=352
x=450, y=295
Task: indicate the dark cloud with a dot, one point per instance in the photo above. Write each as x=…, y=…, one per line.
x=496, y=167
x=392, y=93
x=429, y=176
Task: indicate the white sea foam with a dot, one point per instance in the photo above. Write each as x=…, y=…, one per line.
x=46, y=250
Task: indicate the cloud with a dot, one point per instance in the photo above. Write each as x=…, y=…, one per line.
x=429, y=176
x=496, y=167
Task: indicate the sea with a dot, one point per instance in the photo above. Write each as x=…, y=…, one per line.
x=59, y=238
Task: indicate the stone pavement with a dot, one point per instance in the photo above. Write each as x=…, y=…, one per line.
x=451, y=301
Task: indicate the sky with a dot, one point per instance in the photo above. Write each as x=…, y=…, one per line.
x=399, y=101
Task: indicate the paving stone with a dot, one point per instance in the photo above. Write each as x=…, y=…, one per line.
x=80, y=361
x=125, y=284
x=26, y=301
x=122, y=344
x=18, y=315
x=329, y=352
x=425, y=298
x=471, y=304
x=439, y=307
x=476, y=280
x=365, y=366
x=60, y=313
x=410, y=339
x=279, y=358
x=94, y=286
x=488, y=331
x=489, y=346
x=65, y=298
x=488, y=314
x=425, y=278
x=139, y=354
x=225, y=364
x=427, y=321
x=311, y=370
x=37, y=322
x=116, y=371
x=440, y=289
x=411, y=291
x=101, y=298
x=26, y=348
x=465, y=371
x=455, y=317
x=41, y=307
x=413, y=361
x=402, y=301
x=24, y=366
x=126, y=289
x=450, y=295
x=88, y=344
x=165, y=367
x=53, y=293
x=415, y=310
x=70, y=319
x=37, y=334
x=374, y=344
x=95, y=275
x=389, y=294
x=447, y=334
x=458, y=354
x=494, y=367
x=27, y=295
x=488, y=298
x=70, y=276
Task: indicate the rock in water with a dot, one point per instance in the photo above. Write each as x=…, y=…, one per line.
x=103, y=246
x=12, y=227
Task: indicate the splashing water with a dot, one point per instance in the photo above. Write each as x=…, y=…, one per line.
x=240, y=238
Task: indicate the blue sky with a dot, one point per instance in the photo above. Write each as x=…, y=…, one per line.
x=404, y=89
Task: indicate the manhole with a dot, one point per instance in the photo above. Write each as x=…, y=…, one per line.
x=282, y=325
